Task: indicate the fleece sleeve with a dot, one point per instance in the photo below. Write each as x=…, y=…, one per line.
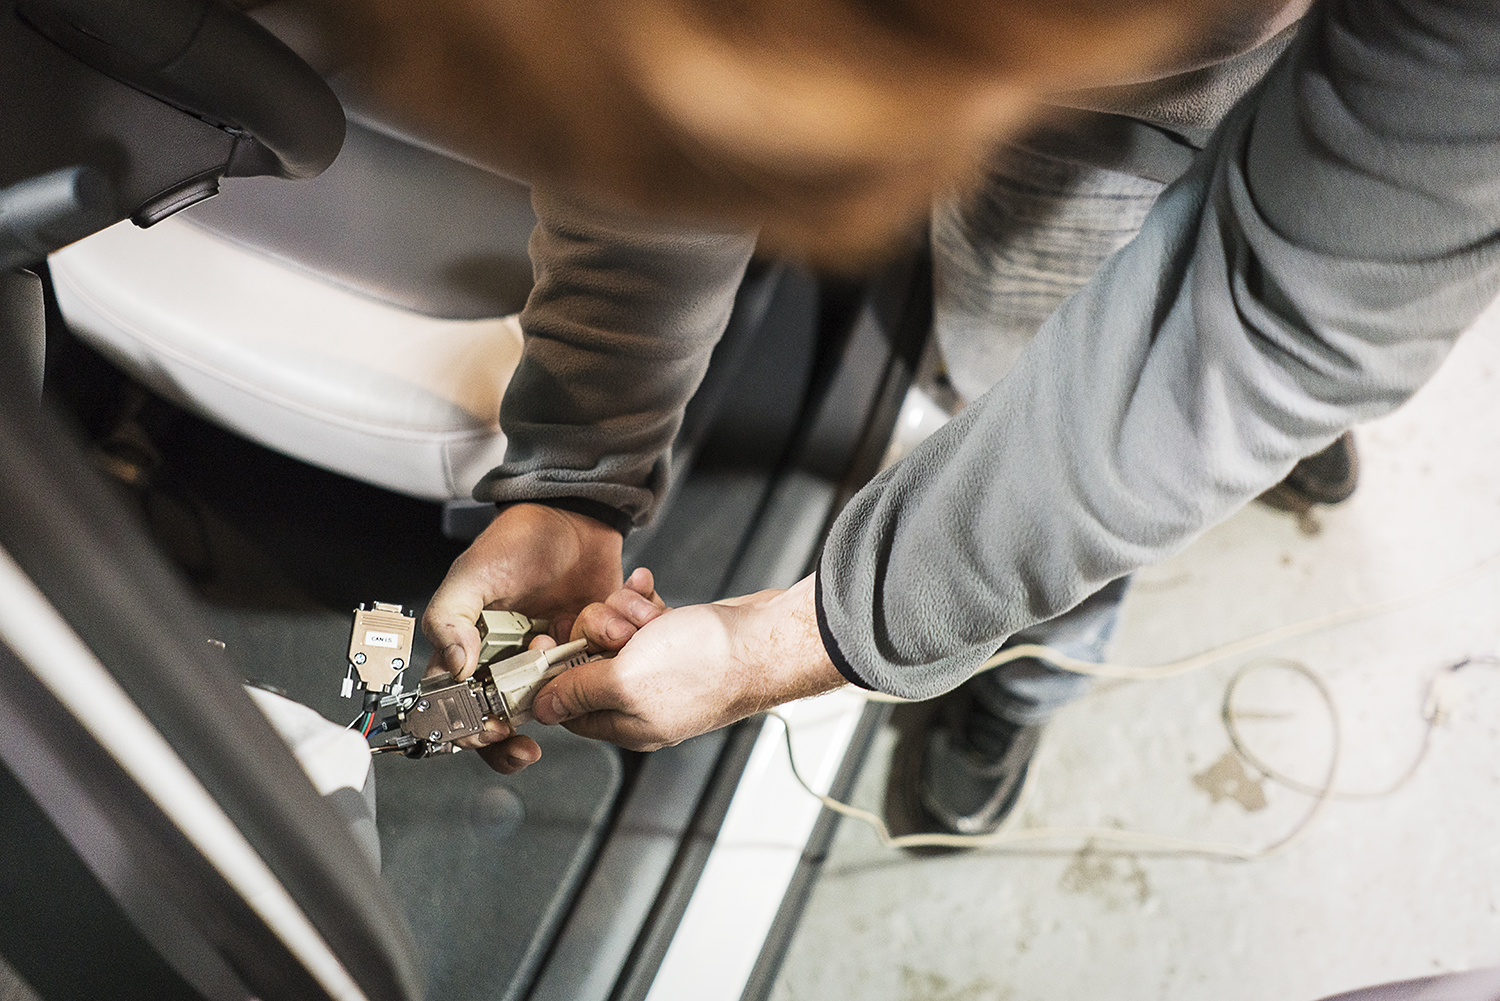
x=621, y=322
x=1311, y=271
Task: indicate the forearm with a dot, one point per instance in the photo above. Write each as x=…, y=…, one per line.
x=619, y=329
x=1249, y=323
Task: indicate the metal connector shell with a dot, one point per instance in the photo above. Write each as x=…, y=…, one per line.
x=380, y=644
x=443, y=710
x=446, y=710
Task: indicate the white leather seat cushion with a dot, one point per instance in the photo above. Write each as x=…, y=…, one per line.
x=404, y=401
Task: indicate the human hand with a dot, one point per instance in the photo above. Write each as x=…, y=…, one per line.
x=537, y=560
x=508, y=752
x=541, y=561
x=685, y=671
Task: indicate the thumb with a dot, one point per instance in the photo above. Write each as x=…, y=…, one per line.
x=449, y=621
x=591, y=687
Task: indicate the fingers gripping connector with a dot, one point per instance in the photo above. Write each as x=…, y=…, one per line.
x=515, y=682
x=443, y=710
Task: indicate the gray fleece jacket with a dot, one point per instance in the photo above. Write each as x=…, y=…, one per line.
x=1310, y=271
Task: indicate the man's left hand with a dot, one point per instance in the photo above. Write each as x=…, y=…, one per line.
x=685, y=671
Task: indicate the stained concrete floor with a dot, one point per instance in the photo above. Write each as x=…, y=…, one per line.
x=1400, y=886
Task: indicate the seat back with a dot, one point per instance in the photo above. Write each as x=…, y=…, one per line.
x=394, y=222
x=149, y=103
x=362, y=321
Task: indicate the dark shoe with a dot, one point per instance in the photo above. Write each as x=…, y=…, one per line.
x=1326, y=477
x=973, y=765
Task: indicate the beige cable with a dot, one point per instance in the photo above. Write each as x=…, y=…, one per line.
x=1042, y=838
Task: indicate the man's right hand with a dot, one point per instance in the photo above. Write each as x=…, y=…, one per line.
x=537, y=560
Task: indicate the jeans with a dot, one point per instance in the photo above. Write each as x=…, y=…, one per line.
x=1003, y=261
x=1029, y=691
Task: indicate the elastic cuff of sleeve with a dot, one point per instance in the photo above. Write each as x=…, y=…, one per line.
x=831, y=645
x=601, y=512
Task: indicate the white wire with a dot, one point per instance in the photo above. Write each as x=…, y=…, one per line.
x=1434, y=712
x=1248, y=644
x=1139, y=842
x=1135, y=842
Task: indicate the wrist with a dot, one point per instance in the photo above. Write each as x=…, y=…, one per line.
x=598, y=511
x=781, y=646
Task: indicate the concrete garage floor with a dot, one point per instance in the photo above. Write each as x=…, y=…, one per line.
x=1402, y=886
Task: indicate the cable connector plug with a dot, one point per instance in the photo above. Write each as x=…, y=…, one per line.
x=380, y=641
x=516, y=680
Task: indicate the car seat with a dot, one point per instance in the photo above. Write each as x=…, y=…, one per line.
x=363, y=321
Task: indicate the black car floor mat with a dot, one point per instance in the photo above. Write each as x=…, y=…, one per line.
x=485, y=864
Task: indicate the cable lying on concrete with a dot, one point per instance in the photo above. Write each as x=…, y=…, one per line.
x=1437, y=706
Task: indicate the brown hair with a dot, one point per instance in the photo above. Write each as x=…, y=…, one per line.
x=828, y=123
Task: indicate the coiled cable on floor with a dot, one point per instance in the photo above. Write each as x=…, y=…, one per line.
x=1104, y=838
x=1435, y=709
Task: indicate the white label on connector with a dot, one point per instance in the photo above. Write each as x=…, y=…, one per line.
x=383, y=639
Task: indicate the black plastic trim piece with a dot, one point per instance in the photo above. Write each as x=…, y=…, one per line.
x=687, y=867
x=73, y=537
x=175, y=199
x=847, y=423
x=901, y=303
x=615, y=903
x=75, y=941
x=213, y=62
x=622, y=903
x=107, y=841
